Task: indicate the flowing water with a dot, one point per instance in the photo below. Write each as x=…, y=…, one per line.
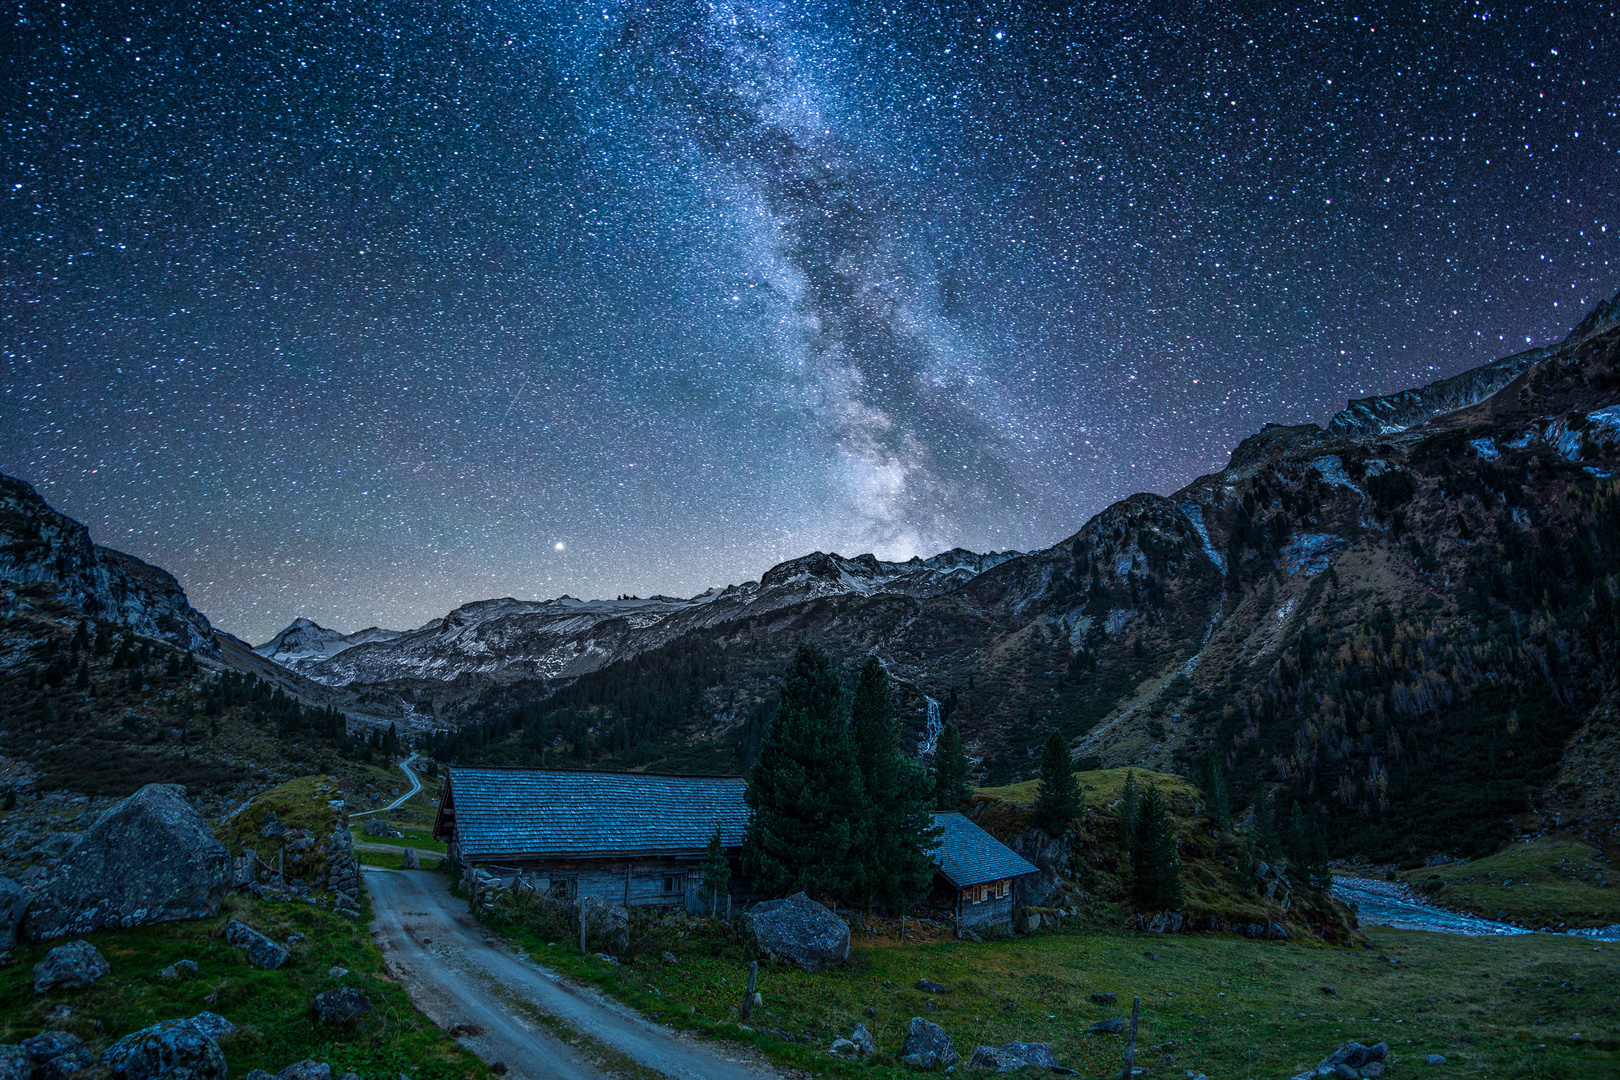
x=1393, y=903
x=931, y=733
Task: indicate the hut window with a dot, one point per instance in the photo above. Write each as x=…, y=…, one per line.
x=561, y=888
x=672, y=884
x=1006, y=887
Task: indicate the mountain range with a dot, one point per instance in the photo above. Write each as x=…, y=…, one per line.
x=1406, y=616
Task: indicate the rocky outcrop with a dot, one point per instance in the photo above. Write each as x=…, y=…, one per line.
x=1052, y=857
x=41, y=547
x=926, y=1046
x=149, y=858
x=172, y=1050
x=800, y=931
x=73, y=966
x=13, y=906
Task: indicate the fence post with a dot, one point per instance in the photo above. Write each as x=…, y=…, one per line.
x=582, y=926
x=1130, y=1043
x=748, y=997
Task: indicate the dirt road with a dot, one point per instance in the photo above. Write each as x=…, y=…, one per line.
x=513, y=1011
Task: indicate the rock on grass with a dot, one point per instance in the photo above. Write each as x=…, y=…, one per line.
x=73, y=966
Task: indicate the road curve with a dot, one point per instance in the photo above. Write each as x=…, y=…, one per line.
x=416, y=785
x=458, y=973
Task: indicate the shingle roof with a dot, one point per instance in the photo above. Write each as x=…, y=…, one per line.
x=509, y=813
x=967, y=855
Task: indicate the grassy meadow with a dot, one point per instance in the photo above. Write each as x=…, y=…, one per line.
x=1540, y=882
x=1230, y=1008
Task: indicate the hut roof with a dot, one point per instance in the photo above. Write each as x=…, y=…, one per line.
x=539, y=813
x=967, y=855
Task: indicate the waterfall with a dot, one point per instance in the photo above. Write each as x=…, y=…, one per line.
x=931, y=733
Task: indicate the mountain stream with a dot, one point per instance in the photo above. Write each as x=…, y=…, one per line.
x=1394, y=904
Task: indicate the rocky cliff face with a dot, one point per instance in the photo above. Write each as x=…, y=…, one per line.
x=45, y=555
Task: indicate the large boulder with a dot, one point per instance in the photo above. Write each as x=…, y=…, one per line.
x=800, y=930
x=340, y=1006
x=606, y=924
x=15, y=1063
x=926, y=1046
x=149, y=858
x=261, y=951
x=172, y=1050
x=13, y=903
x=1016, y=1055
x=73, y=966
x=56, y=1054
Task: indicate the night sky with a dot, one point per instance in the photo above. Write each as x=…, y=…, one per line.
x=360, y=312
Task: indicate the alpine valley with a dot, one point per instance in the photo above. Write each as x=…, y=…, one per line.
x=1406, y=620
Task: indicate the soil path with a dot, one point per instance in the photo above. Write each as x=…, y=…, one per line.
x=513, y=1011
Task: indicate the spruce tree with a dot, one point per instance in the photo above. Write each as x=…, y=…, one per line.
x=1212, y=779
x=897, y=834
x=716, y=871
x=1058, y=800
x=1154, y=860
x=805, y=789
x=950, y=770
x=1129, y=803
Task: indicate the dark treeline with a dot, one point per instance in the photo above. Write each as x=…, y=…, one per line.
x=620, y=716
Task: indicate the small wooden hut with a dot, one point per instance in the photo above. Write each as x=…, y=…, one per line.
x=974, y=875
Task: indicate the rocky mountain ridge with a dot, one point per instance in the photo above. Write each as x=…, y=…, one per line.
x=44, y=553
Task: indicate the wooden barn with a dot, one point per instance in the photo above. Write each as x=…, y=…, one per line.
x=625, y=838
x=975, y=874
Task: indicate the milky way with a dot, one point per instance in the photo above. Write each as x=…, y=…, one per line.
x=361, y=312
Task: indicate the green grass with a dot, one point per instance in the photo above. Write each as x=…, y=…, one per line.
x=1230, y=1007
x=271, y=1008
x=391, y=860
x=1536, y=883
x=412, y=838
x=1103, y=786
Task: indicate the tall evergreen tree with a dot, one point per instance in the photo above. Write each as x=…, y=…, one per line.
x=898, y=834
x=1307, y=851
x=716, y=871
x=1058, y=800
x=950, y=770
x=805, y=789
x=1129, y=804
x=1212, y=779
x=1154, y=861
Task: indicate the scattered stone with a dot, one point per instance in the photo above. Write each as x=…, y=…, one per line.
x=842, y=1048
x=177, y=1049
x=1329, y=991
x=56, y=1055
x=337, y=972
x=614, y=960
x=671, y=959
x=1435, y=1059
x=1109, y=998
x=410, y=860
x=1009, y=1006
x=73, y=966
x=13, y=905
x=14, y=1064
x=1151, y=955
x=864, y=1043
x=308, y=1069
x=926, y=1045
x=149, y=858
x=928, y=986
x=178, y=970
x=800, y=930
x=1115, y=1026
x=356, y=1076
x=261, y=951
